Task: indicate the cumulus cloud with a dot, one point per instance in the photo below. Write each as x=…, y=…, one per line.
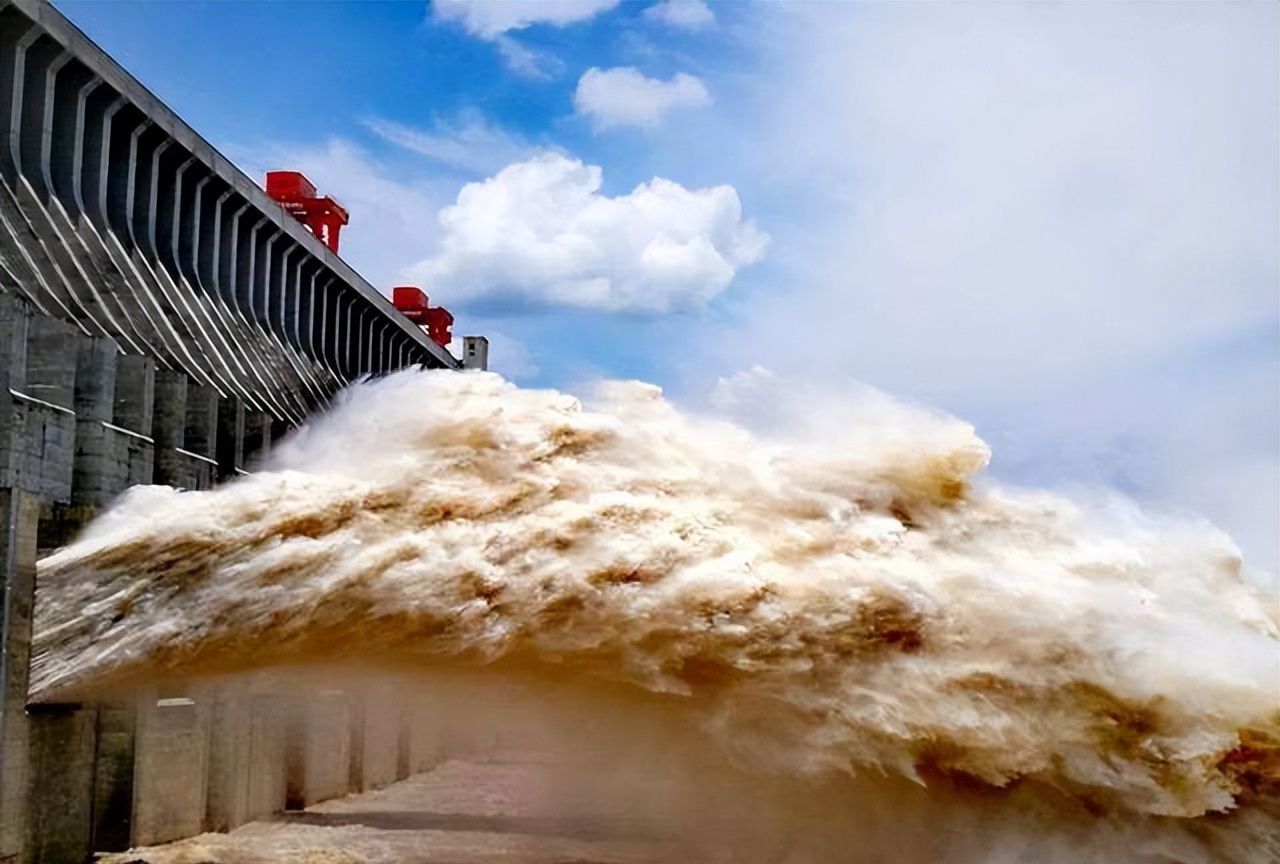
x=541, y=233
x=625, y=97
x=489, y=19
x=682, y=14
x=494, y=20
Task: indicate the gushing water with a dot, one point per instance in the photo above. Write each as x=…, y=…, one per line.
x=852, y=614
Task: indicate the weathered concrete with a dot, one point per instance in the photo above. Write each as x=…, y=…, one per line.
x=168, y=800
x=424, y=748
x=319, y=747
x=52, y=352
x=19, y=520
x=113, y=776
x=376, y=738
x=169, y=427
x=60, y=796
x=230, y=448
x=135, y=393
x=230, y=739
x=97, y=473
x=266, y=785
x=201, y=434
x=47, y=395
x=257, y=438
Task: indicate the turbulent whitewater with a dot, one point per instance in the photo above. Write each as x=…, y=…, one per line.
x=853, y=607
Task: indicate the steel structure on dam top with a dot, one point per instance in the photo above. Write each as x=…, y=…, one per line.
x=117, y=216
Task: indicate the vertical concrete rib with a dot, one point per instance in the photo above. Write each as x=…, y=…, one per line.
x=65, y=90
x=228, y=211
x=36, y=52
x=281, y=299
x=122, y=125
x=64, y=125
x=87, y=140
x=13, y=27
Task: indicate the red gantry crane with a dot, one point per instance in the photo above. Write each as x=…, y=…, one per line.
x=436, y=320
x=325, y=217
x=320, y=213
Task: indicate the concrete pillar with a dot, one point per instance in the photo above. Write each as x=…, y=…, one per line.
x=319, y=748
x=135, y=393
x=169, y=427
x=99, y=472
x=404, y=746
x=227, y=800
x=257, y=438
x=201, y=434
x=279, y=429
x=376, y=739
x=230, y=449
x=170, y=768
x=134, y=407
x=19, y=523
x=52, y=348
x=113, y=776
x=50, y=422
x=267, y=727
x=95, y=378
x=60, y=795
x=424, y=749
x=15, y=322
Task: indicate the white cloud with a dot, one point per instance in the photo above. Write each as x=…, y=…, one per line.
x=494, y=20
x=527, y=62
x=625, y=97
x=540, y=232
x=489, y=19
x=682, y=14
x=470, y=143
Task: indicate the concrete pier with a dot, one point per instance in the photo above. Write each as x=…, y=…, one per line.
x=59, y=810
x=319, y=748
x=227, y=798
x=170, y=804
x=265, y=771
x=376, y=738
x=19, y=518
x=113, y=776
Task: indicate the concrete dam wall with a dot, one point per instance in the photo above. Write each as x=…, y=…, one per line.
x=161, y=321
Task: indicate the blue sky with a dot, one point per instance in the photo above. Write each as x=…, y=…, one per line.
x=1059, y=222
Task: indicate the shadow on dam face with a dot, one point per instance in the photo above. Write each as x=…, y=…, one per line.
x=305, y=754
